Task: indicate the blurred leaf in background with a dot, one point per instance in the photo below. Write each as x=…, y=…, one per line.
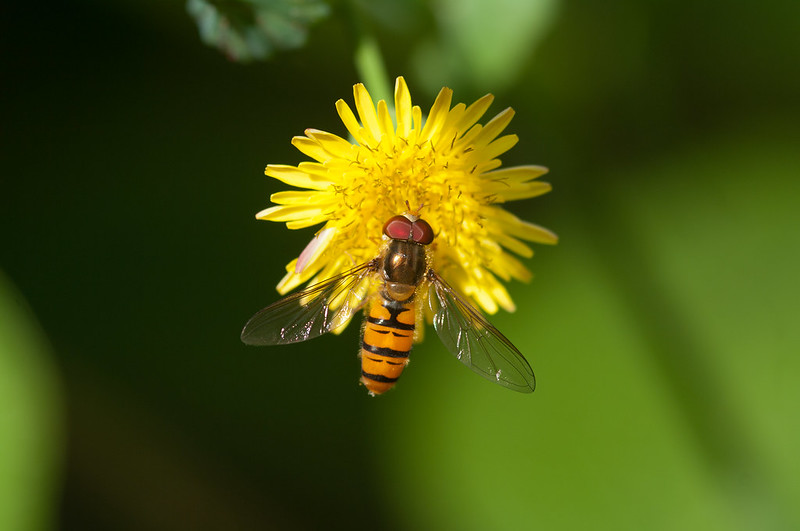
x=31, y=438
x=665, y=346
x=247, y=30
x=481, y=44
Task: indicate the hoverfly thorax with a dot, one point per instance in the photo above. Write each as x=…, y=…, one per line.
x=404, y=262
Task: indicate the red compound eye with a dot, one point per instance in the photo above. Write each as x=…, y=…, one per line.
x=398, y=228
x=421, y=232
x=402, y=228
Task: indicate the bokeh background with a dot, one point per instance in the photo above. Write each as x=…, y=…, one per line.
x=664, y=328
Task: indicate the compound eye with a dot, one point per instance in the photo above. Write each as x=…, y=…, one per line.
x=398, y=228
x=421, y=232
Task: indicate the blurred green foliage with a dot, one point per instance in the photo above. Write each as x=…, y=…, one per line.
x=255, y=29
x=31, y=438
x=673, y=406
x=481, y=43
x=662, y=327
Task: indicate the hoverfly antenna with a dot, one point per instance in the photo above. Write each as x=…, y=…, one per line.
x=414, y=213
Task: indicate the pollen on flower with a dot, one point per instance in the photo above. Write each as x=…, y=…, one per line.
x=448, y=163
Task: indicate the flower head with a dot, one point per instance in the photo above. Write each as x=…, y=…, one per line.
x=446, y=164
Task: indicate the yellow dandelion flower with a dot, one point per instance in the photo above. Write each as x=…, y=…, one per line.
x=447, y=164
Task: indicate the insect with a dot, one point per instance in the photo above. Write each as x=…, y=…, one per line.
x=399, y=272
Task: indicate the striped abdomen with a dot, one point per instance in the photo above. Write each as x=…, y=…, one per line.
x=388, y=336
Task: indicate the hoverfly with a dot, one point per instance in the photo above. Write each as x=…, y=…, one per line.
x=399, y=272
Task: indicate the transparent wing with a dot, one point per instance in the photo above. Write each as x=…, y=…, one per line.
x=474, y=341
x=312, y=312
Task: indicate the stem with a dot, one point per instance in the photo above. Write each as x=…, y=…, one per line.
x=368, y=59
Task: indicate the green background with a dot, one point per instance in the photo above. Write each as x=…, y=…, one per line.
x=663, y=328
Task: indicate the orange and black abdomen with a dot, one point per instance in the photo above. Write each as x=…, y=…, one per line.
x=388, y=336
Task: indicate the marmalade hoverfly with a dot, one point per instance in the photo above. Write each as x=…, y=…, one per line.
x=400, y=271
